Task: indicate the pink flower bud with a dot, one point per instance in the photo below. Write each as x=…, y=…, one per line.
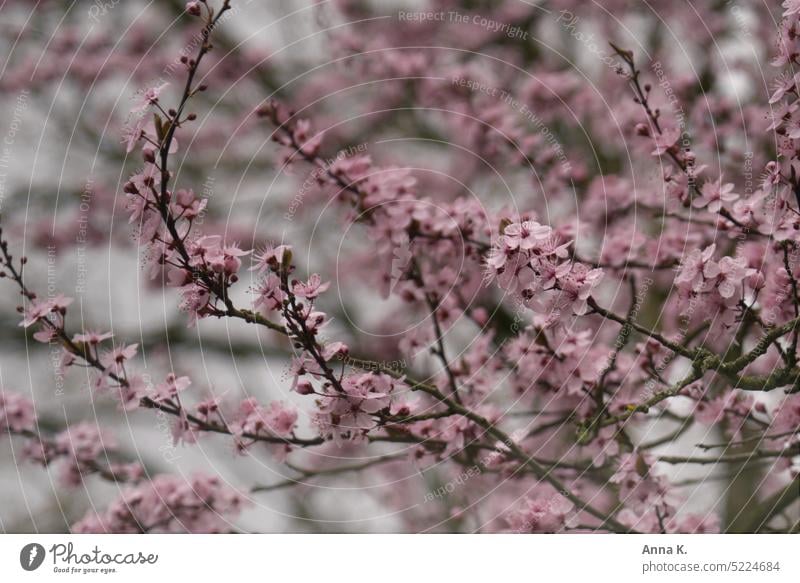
x=304, y=387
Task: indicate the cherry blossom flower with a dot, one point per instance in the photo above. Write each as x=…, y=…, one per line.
x=665, y=141
x=697, y=267
x=714, y=194
x=171, y=387
x=114, y=360
x=269, y=295
x=542, y=515
x=35, y=312
x=16, y=412
x=526, y=235
x=350, y=414
x=148, y=97
x=271, y=258
x=310, y=289
x=169, y=504
x=641, y=487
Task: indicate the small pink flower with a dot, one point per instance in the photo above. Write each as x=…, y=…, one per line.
x=148, y=97
x=783, y=85
x=16, y=412
x=133, y=133
x=310, y=289
x=114, y=359
x=130, y=395
x=271, y=258
x=334, y=349
x=281, y=420
x=269, y=295
x=526, y=235
x=60, y=302
x=665, y=141
x=714, y=194
x=193, y=8
x=171, y=387
x=35, y=312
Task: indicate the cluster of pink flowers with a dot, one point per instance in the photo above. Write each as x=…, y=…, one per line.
x=642, y=489
x=168, y=504
x=715, y=289
x=650, y=501
x=351, y=413
x=202, y=268
x=254, y=420
x=543, y=515
x=82, y=450
x=78, y=451
x=566, y=361
x=533, y=261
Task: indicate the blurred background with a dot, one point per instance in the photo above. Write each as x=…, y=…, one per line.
x=71, y=72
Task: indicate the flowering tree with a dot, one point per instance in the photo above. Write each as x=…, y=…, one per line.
x=513, y=275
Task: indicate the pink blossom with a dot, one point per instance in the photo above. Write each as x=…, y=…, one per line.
x=114, y=360
x=697, y=267
x=170, y=388
x=169, y=504
x=131, y=393
x=526, y=235
x=281, y=419
x=35, y=312
x=349, y=415
x=271, y=258
x=310, y=289
x=17, y=413
x=665, y=141
x=714, y=194
x=148, y=97
x=270, y=295
x=542, y=515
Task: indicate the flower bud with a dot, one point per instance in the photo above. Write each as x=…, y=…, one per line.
x=304, y=387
